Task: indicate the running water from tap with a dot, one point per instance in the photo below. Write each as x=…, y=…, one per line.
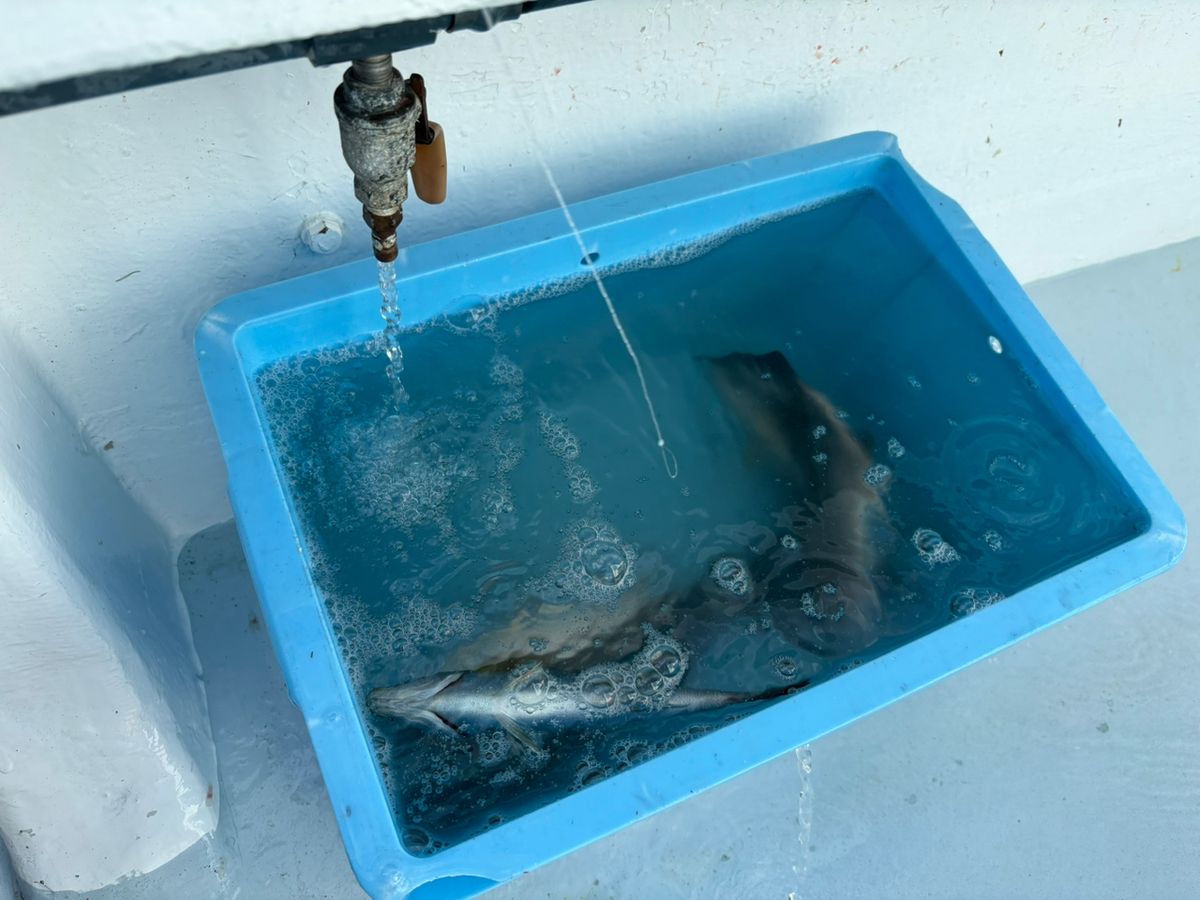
x=389, y=308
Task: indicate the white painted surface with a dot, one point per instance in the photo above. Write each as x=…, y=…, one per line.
x=61, y=38
x=105, y=753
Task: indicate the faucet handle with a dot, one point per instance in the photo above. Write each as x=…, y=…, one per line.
x=429, y=171
x=429, y=168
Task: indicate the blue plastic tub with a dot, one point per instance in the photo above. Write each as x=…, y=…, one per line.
x=249, y=332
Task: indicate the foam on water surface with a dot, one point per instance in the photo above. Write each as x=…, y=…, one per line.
x=514, y=511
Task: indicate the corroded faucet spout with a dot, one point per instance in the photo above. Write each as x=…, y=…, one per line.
x=377, y=114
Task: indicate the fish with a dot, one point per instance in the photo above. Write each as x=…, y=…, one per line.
x=818, y=584
x=528, y=701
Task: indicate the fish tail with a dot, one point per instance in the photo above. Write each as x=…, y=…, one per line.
x=411, y=701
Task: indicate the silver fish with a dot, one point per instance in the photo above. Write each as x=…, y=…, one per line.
x=528, y=701
x=820, y=588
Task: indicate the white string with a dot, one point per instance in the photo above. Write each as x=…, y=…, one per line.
x=670, y=463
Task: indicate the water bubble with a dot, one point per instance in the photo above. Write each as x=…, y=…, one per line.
x=789, y=542
x=558, y=437
x=648, y=681
x=972, y=378
x=933, y=549
x=785, y=666
x=533, y=689
x=895, y=448
x=819, y=432
x=820, y=458
x=666, y=660
x=994, y=343
x=969, y=600
x=415, y=840
x=821, y=609
x=877, y=475
x=599, y=690
x=994, y=541
x=604, y=561
x=914, y=382
x=731, y=574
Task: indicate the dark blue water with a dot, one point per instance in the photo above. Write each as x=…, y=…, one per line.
x=862, y=459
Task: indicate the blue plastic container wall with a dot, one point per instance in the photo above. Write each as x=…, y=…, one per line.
x=989, y=490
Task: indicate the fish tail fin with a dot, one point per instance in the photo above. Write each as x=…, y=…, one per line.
x=411, y=701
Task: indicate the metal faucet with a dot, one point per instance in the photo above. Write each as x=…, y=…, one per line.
x=378, y=114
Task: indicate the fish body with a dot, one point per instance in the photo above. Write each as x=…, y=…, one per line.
x=527, y=700
x=819, y=583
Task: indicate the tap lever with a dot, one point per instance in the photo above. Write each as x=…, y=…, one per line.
x=429, y=172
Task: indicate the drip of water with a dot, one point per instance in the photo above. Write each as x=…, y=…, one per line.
x=804, y=815
x=389, y=308
x=670, y=463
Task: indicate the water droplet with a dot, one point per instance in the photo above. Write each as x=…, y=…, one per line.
x=994, y=343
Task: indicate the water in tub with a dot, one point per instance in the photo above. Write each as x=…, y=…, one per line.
x=528, y=604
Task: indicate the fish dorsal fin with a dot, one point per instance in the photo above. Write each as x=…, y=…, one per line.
x=519, y=733
x=527, y=677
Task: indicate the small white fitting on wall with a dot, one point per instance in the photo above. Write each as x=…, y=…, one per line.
x=322, y=232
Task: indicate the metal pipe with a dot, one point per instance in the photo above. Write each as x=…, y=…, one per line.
x=373, y=70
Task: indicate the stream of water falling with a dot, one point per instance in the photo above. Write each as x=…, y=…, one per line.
x=804, y=817
x=389, y=308
x=670, y=463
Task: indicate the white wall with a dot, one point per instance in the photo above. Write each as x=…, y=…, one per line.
x=1076, y=145
x=106, y=759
